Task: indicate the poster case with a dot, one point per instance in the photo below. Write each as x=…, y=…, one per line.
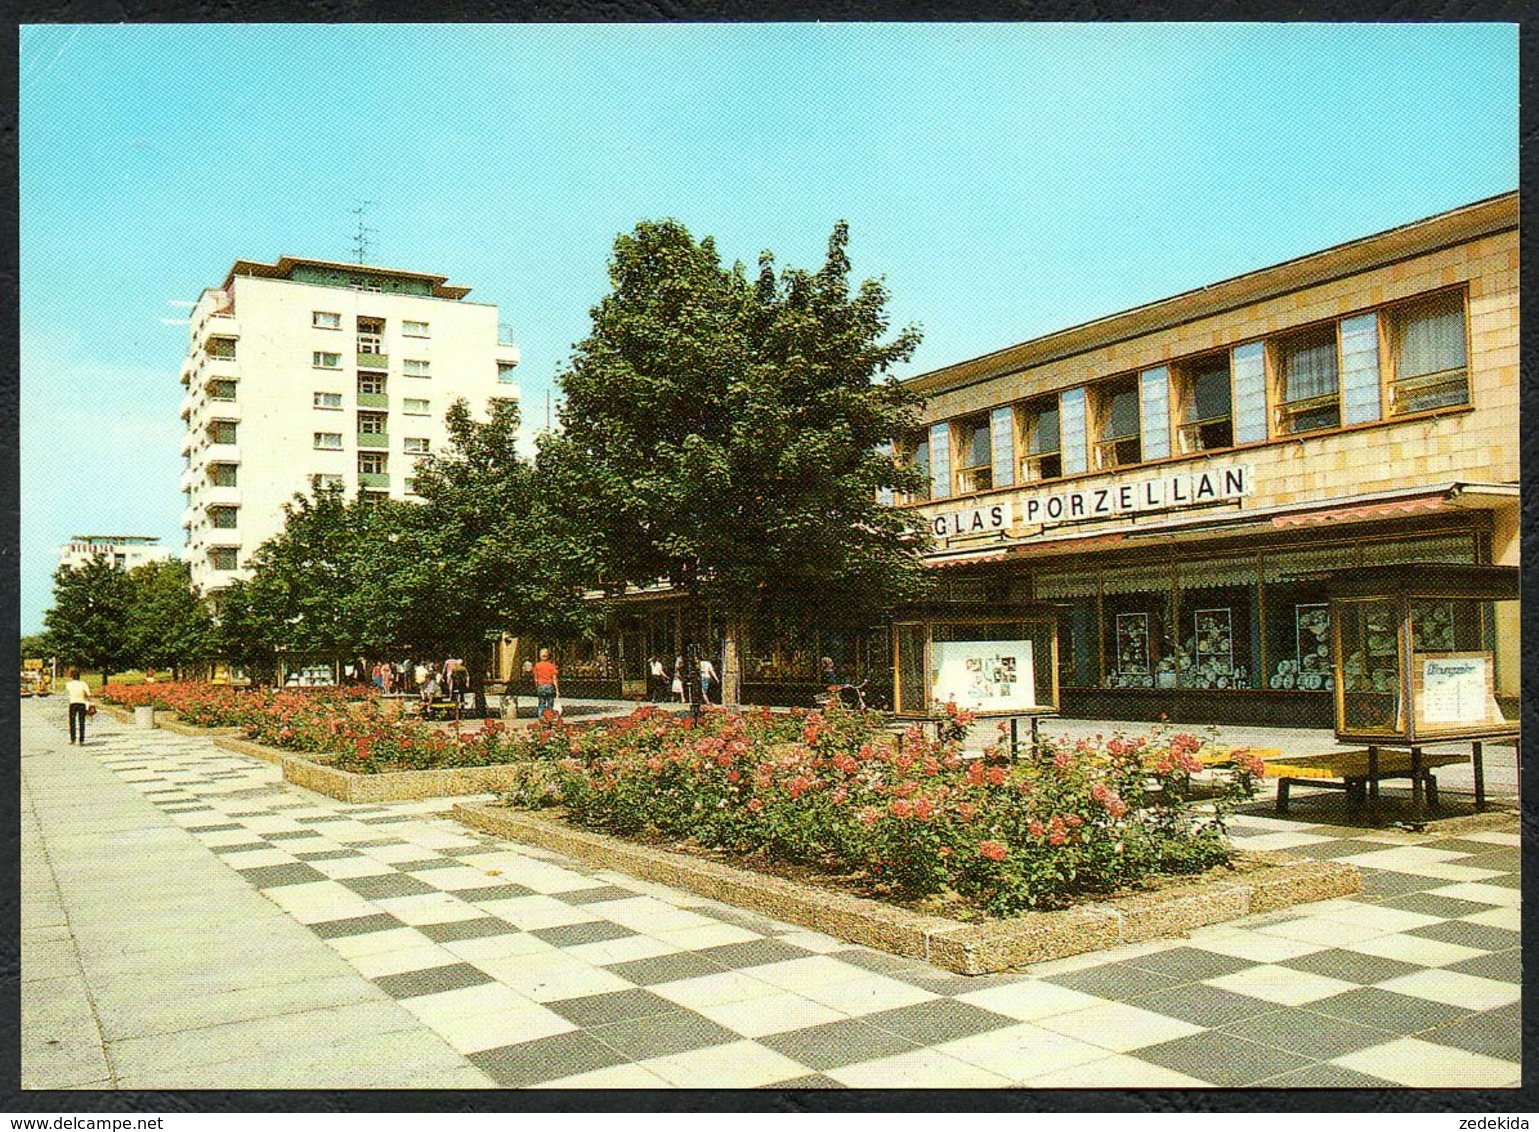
x=1424, y=652
x=1002, y=662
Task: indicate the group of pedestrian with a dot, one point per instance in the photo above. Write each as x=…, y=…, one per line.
x=427, y=679
x=680, y=687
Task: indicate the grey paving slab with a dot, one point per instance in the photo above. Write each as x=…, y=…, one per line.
x=1504, y=966
x=1399, y=1013
x=1189, y=964
x=1202, y=1005
x=834, y=1044
x=1119, y=981
x=1495, y=1033
x=1223, y=1059
x=546, y=1059
x=1307, y=1032
x=1469, y=935
x=1350, y=966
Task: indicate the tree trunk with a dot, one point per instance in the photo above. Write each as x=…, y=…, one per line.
x=477, y=657
x=731, y=662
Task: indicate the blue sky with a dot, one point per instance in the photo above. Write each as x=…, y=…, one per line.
x=1007, y=180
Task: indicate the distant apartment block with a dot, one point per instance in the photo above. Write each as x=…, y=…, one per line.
x=123, y=551
x=304, y=373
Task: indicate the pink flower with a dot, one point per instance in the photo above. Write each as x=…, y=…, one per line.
x=902, y=808
x=992, y=850
x=869, y=815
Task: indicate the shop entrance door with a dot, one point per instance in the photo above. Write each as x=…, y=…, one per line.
x=633, y=664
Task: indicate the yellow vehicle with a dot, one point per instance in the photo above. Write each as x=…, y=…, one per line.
x=36, y=679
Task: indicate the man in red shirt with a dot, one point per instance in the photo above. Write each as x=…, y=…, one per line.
x=547, y=683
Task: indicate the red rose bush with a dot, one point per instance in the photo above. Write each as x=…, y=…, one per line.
x=835, y=790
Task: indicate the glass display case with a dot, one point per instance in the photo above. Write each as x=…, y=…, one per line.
x=1000, y=663
x=1424, y=652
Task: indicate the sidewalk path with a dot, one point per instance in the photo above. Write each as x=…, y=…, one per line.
x=191, y=921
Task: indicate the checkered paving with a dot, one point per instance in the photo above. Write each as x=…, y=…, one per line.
x=547, y=973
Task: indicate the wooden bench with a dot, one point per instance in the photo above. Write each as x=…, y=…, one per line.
x=1359, y=772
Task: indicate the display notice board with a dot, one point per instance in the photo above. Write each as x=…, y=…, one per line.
x=1456, y=688
x=990, y=676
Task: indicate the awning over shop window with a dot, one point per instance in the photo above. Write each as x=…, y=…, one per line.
x=968, y=560
x=1366, y=513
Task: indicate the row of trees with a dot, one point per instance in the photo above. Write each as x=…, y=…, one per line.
x=720, y=432
x=110, y=619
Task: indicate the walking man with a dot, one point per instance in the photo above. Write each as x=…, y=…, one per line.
x=547, y=683
x=79, y=706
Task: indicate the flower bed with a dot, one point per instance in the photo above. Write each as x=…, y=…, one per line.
x=913, y=815
x=350, y=729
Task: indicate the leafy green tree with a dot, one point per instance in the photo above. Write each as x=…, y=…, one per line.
x=37, y=646
x=308, y=596
x=89, y=617
x=244, y=632
x=725, y=435
x=482, y=553
x=168, y=624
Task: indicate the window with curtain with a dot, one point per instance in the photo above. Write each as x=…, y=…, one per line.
x=1431, y=366
x=974, y=455
x=1310, y=394
x=1042, y=459
x=1207, y=419
x=1117, y=436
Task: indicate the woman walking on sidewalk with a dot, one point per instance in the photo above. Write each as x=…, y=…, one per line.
x=79, y=706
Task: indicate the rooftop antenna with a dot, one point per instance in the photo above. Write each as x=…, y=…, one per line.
x=361, y=237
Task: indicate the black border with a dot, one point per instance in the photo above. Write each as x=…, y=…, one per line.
x=1481, y=1101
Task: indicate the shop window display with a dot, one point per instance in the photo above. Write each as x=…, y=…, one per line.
x=591, y=659
x=1218, y=634
x=781, y=651
x=1370, y=672
x=1138, y=627
x=1297, y=630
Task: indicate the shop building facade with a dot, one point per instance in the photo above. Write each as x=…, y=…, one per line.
x=1174, y=477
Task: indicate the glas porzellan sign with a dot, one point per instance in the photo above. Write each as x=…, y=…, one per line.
x=1156, y=493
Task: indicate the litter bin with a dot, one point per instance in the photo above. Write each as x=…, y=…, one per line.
x=144, y=717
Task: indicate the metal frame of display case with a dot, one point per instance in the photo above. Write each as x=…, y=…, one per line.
x=1399, y=586
x=928, y=615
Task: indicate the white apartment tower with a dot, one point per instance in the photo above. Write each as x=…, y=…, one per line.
x=307, y=372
